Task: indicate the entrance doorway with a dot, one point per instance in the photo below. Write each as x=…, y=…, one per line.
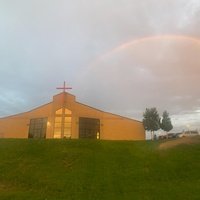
x=89, y=128
x=63, y=123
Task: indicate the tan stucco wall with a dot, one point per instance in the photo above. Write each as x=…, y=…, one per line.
x=112, y=127
x=17, y=126
x=82, y=110
x=121, y=128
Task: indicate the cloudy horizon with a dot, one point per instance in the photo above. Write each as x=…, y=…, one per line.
x=119, y=56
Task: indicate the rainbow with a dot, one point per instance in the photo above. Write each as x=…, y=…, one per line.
x=133, y=42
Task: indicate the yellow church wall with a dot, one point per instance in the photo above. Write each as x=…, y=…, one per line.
x=120, y=128
x=44, y=111
x=81, y=110
x=86, y=111
x=14, y=127
x=68, y=101
x=17, y=126
x=78, y=110
x=112, y=127
x=65, y=99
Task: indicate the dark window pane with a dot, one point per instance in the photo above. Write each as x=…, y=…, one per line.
x=37, y=128
x=89, y=128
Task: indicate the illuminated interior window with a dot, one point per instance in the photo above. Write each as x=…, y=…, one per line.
x=98, y=135
x=63, y=123
x=57, y=132
x=67, y=125
x=58, y=119
x=67, y=132
x=59, y=112
x=68, y=112
x=68, y=119
x=57, y=125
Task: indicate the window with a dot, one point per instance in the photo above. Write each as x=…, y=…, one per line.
x=89, y=128
x=37, y=128
x=68, y=112
x=63, y=123
x=59, y=112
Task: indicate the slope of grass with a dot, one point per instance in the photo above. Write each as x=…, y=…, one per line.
x=97, y=170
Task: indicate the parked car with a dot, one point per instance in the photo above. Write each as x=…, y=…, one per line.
x=189, y=133
x=171, y=135
x=162, y=137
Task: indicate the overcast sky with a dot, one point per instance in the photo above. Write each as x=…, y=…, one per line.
x=120, y=56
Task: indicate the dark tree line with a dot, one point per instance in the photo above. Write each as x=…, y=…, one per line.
x=152, y=121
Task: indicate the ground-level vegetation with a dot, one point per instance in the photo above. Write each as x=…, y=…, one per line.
x=98, y=170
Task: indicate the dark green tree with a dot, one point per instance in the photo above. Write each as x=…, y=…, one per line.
x=165, y=123
x=151, y=120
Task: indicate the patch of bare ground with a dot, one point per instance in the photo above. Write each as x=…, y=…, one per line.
x=5, y=187
x=184, y=140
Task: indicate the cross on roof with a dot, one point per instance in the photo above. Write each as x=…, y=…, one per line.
x=64, y=88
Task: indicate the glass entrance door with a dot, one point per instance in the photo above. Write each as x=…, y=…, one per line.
x=63, y=123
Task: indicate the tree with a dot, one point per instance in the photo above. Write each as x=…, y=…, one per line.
x=165, y=123
x=151, y=120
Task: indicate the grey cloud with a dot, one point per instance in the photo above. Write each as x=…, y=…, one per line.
x=45, y=42
x=134, y=78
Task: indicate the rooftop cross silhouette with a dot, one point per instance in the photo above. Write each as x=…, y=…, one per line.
x=64, y=88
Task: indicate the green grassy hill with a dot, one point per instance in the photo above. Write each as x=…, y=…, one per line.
x=97, y=170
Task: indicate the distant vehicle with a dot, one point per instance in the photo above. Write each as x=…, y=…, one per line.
x=171, y=135
x=162, y=137
x=167, y=136
x=188, y=134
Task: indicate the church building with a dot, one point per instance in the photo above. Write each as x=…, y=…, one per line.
x=64, y=117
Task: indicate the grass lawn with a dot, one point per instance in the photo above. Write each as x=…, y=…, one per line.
x=97, y=170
